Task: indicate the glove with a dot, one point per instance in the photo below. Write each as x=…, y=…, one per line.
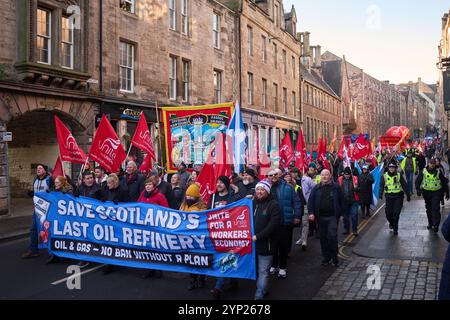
x=64, y=192
x=381, y=197
x=116, y=202
x=419, y=193
x=417, y=173
x=103, y=200
x=48, y=191
x=408, y=198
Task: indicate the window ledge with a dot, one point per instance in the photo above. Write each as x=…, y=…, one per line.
x=54, y=76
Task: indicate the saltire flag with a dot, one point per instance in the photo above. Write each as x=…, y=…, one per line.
x=236, y=134
x=58, y=169
x=376, y=173
x=142, y=138
x=300, y=152
x=358, y=167
x=68, y=148
x=286, y=151
x=106, y=148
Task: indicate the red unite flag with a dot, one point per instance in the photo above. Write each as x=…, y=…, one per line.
x=58, y=169
x=68, y=147
x=106, y=148
x=361, y=148
x=142, y=138
x=300, y=153
x=286, y=151
x=207, y=178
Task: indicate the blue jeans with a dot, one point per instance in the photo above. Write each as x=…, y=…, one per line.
x=351, y=211
x=409, y=181
x=33, y=234
x=263, y=264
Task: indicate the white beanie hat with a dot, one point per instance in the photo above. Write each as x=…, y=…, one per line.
x=266, y=185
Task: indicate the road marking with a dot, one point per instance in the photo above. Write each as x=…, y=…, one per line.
x=72, y=276
x=351, y=237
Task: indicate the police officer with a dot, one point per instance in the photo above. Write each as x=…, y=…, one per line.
x=391, y=184
x=432, y=183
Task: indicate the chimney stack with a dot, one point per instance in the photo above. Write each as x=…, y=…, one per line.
x=306, y=46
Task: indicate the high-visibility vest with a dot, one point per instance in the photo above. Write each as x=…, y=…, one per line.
x=403, y=164
x=379, y=159
x=431, y=182
x=392, y=184
x=317, y=179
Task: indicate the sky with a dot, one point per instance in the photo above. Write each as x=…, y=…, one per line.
x=393, y=40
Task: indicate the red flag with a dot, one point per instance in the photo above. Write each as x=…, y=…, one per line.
x=146, y=165
x=311, y=156
x=58, y=169
x=106, y=148
x=264, y=165
x=341, y=148
x=68, y=147
x=222, y=167
x=207, y=178
x=300, y=152
x=142, y=138
x=361, y=148
x=323, y=154
x=286, y=151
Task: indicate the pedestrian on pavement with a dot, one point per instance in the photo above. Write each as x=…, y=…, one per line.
x=306, y=184
x=444, y=288
x=133, y=181
x=292, y=211
x=324, y=205
x=184, y=175
x=366, y=181
x=409, y=168
x=247, y=185
x=225, y=194
x=100, y=176
x=392, y=183
x=151, y=195
x=432, y=184
x=266, y=222
x=193, y=202
x=177, y=193
x=349, y=189
x=43, y=182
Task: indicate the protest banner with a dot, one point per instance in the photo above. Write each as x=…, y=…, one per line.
x=189, y=132
x=216, y=242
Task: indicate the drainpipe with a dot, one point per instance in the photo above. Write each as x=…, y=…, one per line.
x=100, y=77
x=240, y=51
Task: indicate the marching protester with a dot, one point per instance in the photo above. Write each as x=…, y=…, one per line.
x=421, y=161
x=391, y=184
x=312, y=173
x=163, y=186
x=349, y=189
x=246, y=187
x=176, y=193
x=133, y=181
x=192, y=178
x=61, y=185
x=194, y=202
x=43, y=182
x=292, y=211
x=409, y=168
x=151, y=195
x=87, y=189
x=444, y=287
x=184, y=174
x=432, y=184
x=267, y=220
x=305, y=186
x=100, y=176
x=366, y=181
x=325, y=206
x=225, y=194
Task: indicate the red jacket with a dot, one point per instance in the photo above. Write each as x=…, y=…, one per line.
x=155, y=198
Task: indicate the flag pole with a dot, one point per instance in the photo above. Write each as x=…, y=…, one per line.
x=62, y=166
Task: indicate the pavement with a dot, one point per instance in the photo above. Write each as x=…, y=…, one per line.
x=17, y=223
x=409, y=265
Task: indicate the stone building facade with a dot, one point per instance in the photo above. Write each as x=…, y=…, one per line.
x=443, y=87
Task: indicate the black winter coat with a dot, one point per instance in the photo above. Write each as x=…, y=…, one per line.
x=135, y=186
x=365, y=182
x=266, y=224
x=118, y=194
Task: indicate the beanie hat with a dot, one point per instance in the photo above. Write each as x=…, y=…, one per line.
x=266, y=185
x=225, y=180
x=251, y=172
x=347, y=170
x=193, y=191
x=312, y=165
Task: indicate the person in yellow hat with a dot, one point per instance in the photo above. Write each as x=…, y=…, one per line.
x=194, y=202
